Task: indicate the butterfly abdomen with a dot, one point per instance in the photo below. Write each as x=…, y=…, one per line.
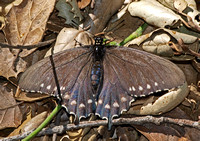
x=96, y=73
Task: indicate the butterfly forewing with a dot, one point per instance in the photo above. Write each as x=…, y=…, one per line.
x=72, y=68
x=141, y=73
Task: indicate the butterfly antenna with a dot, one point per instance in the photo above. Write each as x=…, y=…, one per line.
x=78, y=26
x=56, y=80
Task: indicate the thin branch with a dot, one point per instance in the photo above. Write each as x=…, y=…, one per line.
x=187, y=49
x=40, y=44
x=120, y=121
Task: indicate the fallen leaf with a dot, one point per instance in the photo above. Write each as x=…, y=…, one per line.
x=70, y=38
x=69, y=11
x=154, y=13
x=30, y=97
x=158, y=42
x=5, y=7
x=166, y=132
x=178, y=5
x=26, y=22
x=25, y=25
x=10, y=66
x=83, y=3
x=190, y=73
x=157, y=105
x=34, y=122
x=102, y=12
x=121, y=25
x=18, y=130
x=10, y=113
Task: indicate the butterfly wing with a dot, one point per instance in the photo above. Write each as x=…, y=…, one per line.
x=130, y=73
x=72, y=68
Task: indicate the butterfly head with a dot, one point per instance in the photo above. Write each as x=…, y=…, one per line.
x=98, y=41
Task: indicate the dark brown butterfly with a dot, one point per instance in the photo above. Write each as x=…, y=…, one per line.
x=100, y=79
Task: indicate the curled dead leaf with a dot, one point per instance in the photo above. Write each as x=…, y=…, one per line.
x=10, y=113
x=162, y=104
x=154, y=13
x=34, y=122
x=5, y=7
x=102, y=12
x=10, y=65
x=70, y=38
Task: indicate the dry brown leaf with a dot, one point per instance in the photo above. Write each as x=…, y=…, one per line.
x=83, y=3
x=70, y=38
x=190, y=73
x=17, y=131
x=9, y=65
x=25, y=24
x=10, y=113
x=102, y=12
x=159, y=40
x=34, y=122
x=178, y=5
x=5, y=6
x=30, y=97
x=166, y=132
x=154, y=13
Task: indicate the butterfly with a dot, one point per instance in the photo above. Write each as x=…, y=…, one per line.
x=101, y=80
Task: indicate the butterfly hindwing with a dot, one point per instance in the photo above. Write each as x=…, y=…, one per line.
x=130, y=73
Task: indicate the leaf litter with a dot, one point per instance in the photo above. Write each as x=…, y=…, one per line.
x=26, y=25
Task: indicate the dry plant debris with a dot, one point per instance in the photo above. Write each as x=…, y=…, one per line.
x=173, y=33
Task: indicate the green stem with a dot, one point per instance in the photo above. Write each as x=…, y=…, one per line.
x=44, y=124
x=135, y=34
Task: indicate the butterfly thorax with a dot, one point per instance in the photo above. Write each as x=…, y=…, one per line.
x=98, y=49
x=98, y=54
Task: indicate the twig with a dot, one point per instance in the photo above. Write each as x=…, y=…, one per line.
x=40, y=44
x=134, y=120
x=186, y=49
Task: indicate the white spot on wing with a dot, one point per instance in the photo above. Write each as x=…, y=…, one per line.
x=61, y=87
x=130, y=89
x=42, y=85
x=81, y=105
x=140, y=88
x=89, y=101
x=107, y=106
x=156, y=84
x=133, y=88
x=32, y=91
x=66, y=96
x=55, y=89
x=73, y=102
x=48, y=87
x=123, y=99
x=148, y=86
x=100, y=101
x=115, y=104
